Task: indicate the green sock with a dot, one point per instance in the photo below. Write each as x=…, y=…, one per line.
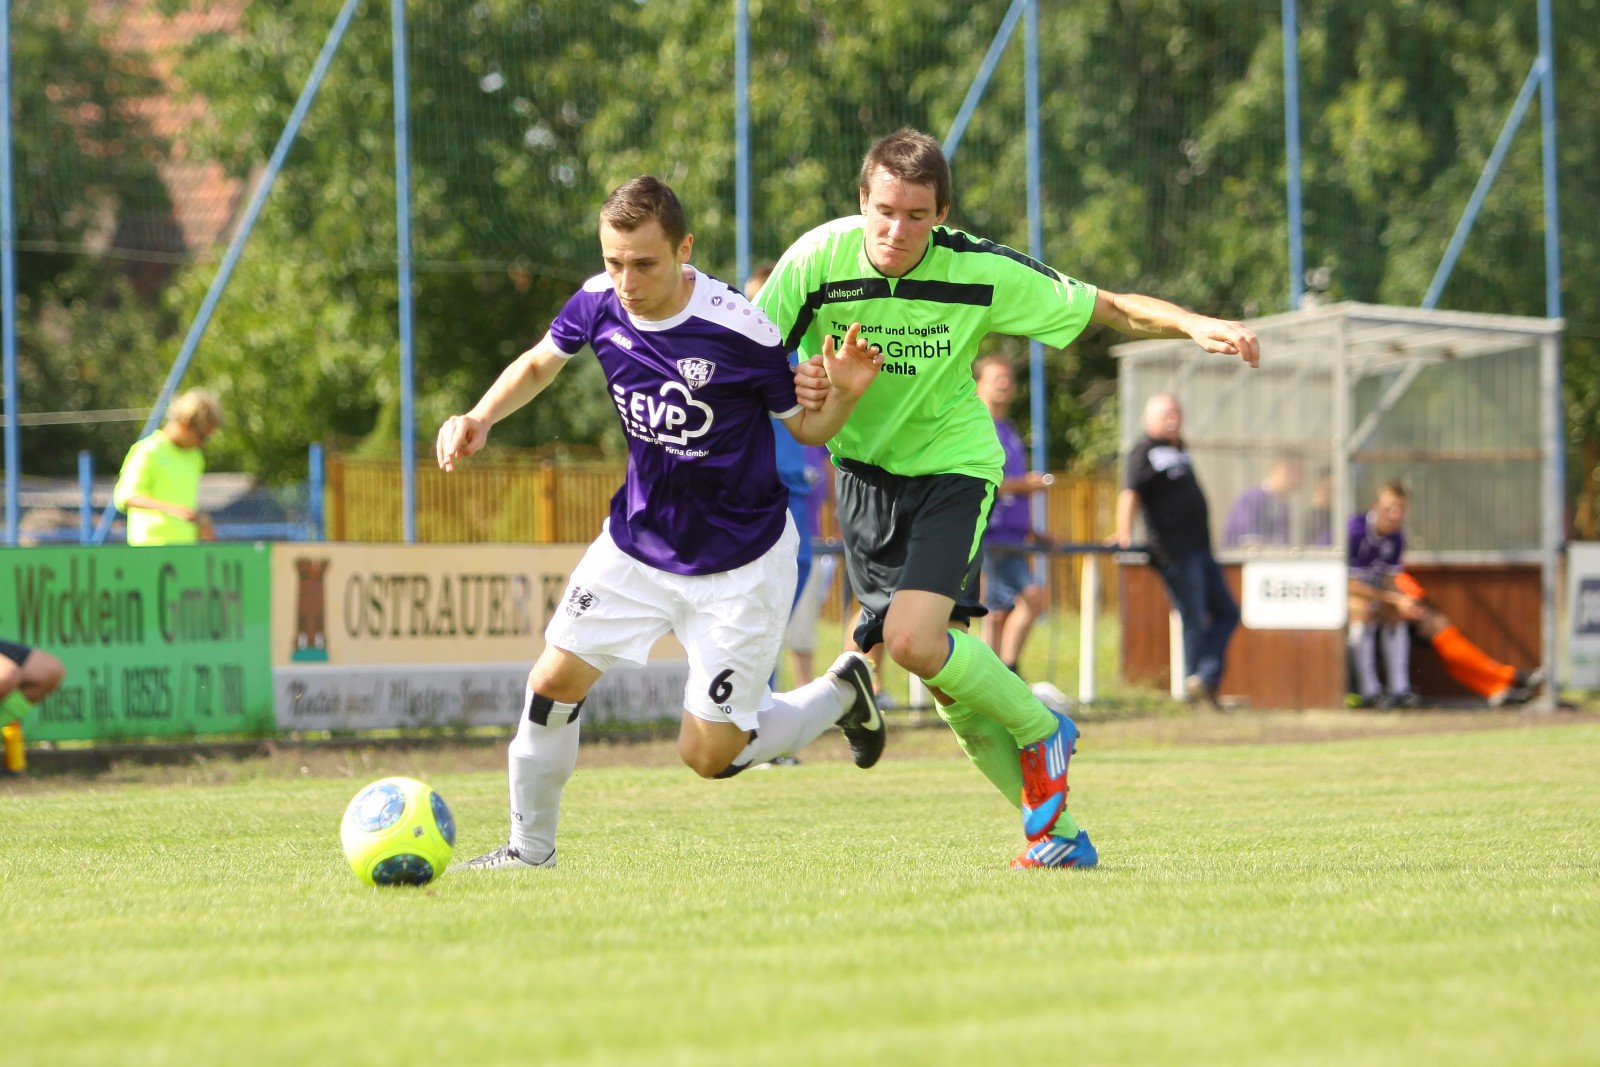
x=14, y=706
x=989, y=746
x=975, y=677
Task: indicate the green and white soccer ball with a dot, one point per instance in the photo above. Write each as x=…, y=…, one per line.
x=397, y=831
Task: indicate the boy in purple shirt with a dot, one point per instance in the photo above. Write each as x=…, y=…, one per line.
x=1011, y=591
x=699, y=541
x=1385, y=603
x=1378, y=610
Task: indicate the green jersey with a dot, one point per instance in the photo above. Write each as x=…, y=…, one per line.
x=157, y=468
x=922, y=414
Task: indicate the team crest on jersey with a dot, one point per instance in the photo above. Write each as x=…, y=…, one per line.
x=696, y=372
x=579, y=601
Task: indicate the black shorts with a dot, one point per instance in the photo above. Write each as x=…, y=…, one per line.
x=923, y=532
x=14, y=652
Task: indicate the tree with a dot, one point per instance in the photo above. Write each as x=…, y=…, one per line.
x=86, y=192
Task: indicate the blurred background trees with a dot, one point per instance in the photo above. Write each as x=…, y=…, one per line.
x=1163, y=164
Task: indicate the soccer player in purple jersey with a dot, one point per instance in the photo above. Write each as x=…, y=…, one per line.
x=699, y=541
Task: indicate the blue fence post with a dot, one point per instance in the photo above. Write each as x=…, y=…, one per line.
x=1036, y=383
x=1547, y=149
x=8, y=284
x=314, y=484
x=85, y=496
x=402, y=211
x=1291, y=148
x=741, y=140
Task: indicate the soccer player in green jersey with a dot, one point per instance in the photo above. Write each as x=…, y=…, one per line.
x=918, y=460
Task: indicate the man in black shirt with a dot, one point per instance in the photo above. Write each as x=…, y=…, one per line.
x=1161, y=482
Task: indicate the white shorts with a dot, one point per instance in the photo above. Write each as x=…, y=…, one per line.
x=731, y=624
x=802, y=633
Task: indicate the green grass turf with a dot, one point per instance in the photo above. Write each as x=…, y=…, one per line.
x=1405, y=900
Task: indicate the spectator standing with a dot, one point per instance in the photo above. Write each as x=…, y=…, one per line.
x=1161, y=482
x=1012, y=591
x=159, y=487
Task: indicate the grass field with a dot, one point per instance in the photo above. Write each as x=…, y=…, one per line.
x=1407, y=899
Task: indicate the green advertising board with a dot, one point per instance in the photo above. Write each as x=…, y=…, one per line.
x=157, y=642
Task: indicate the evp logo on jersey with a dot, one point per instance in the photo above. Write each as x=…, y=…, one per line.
x=671, y=417
x=696, y=371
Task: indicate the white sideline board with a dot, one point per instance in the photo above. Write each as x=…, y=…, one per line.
x=1294, y=594
x=1583, y=614
x=386, y=696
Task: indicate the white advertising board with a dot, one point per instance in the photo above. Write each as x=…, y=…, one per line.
x=1583, y=614
x=378, y=636
x=1293, y=594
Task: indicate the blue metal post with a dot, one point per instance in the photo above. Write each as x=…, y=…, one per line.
x=1480, y=192
x=8, y=282
x=1291, y=137
x=402, y=210
x=85, y=496
x=1547, y=125
x=958, y=128
x=315, y=480
x=247, y=223
x=1036, y=384
x=741, y=139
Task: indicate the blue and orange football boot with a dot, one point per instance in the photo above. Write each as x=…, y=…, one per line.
x=1059, y=852
x=1044, y=777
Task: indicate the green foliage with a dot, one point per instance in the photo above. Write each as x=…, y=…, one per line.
x=1162, y=162
x=1403, y=900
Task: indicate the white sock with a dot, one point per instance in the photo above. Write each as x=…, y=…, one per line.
x=1397, y=655
x=1363, y=640
x=541, y=759
x=796, y=719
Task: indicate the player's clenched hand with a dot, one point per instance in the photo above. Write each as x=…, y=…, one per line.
x=853, y=366
x=1226, y=338
x=461, y=435
x=811, y=384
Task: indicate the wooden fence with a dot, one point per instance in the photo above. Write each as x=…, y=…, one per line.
x=552, y=501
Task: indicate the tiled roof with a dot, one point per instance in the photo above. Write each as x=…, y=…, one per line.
x=205, y=200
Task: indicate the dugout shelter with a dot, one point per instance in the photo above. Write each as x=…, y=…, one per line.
x=1461, y=408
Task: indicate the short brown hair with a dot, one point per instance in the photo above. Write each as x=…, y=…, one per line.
x=636, y=202
x=1394, y=489
x=993, y=359
x=912, y=156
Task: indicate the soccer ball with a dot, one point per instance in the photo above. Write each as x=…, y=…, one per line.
x=397, y=831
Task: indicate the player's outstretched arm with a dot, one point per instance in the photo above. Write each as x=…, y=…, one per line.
x=1148, y=316
x=848, y=372
x=525, y=378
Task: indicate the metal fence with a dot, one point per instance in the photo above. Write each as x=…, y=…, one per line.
x=1234, y=155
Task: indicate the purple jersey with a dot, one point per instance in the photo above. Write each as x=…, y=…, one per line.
x=1011, y=518
x=1373, y=558
x=695, y=394
x=1258, y=517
